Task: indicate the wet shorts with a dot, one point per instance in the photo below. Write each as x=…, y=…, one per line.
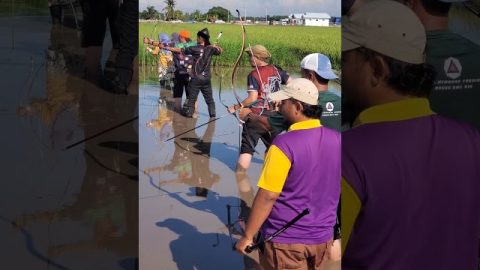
x=251, y=133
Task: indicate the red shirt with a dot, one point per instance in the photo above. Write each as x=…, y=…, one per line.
x=265, y=80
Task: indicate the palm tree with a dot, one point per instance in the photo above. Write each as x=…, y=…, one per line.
x=169, y=9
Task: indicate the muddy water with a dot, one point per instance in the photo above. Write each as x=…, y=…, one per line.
x=191, y=202
x=67, y=208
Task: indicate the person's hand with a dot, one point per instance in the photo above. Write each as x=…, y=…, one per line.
x=244, y=113
x=217, y=47
x=242, y=244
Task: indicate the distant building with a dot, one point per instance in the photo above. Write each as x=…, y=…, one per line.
x=310, y=19
x=316, y=19
x=296, y=19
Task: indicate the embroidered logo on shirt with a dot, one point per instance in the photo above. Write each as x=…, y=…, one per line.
x=452, y=68
x=329, y=106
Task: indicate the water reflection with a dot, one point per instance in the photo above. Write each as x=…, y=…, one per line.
x=190, y=182
x=75, y=206
x=190, y=163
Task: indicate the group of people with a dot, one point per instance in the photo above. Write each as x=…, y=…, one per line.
x=409, y=162
x=409, y=177
x=293, y=168
x=301, y=169
x=192, y=70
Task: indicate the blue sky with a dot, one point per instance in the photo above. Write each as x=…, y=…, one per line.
x=253, y=7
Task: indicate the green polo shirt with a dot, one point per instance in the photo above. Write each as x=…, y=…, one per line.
x=331, y=115
x=456, y=90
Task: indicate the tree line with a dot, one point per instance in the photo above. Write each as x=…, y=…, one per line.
x=169, y=13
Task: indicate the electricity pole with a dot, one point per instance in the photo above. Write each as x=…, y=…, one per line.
x=266, y=16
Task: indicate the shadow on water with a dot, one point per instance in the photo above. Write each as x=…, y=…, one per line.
x=203, y=251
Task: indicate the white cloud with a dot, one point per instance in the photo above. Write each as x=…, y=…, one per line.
x=253, y=7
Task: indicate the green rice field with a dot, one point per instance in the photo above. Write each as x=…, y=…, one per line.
x=287, y=44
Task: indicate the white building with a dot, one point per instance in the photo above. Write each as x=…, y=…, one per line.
x=310, y=19
x=316, y=19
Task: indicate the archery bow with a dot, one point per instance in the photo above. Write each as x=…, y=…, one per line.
x=251, y=248
x=235, y=66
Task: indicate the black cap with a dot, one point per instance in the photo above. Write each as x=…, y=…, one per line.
x=204, y=34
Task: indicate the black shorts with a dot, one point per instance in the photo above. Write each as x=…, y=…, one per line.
x=251, y=133
x=180, y=82
x=95, y=15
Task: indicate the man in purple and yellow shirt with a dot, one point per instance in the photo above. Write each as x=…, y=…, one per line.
x=410, y=189
x=301, y=170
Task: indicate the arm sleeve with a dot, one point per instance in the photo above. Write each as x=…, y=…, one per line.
x=275, y=170
x=351, y=206
x=252, y=83
x=216, y=51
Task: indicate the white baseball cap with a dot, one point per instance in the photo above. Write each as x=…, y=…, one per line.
x=386, y=27
x=300, y=89
x=320, y=64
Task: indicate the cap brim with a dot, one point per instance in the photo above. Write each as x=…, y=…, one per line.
x=278, y=96
x=348, y=45
x=350, y=36
x=329, y=75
